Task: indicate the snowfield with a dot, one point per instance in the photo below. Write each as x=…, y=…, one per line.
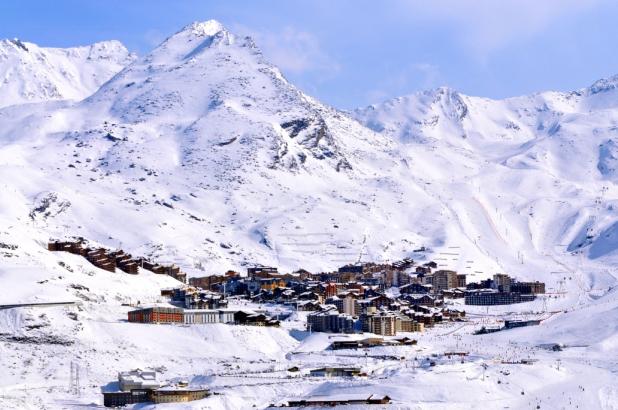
x=202, y=154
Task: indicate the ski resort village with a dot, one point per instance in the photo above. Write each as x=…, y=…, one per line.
x=184, y=228
x=297, y=339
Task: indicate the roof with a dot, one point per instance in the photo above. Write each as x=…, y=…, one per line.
x=344, y=397
x=351, y=369
x=210, y=311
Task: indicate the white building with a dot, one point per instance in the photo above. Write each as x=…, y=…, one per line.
x=138, y=379
x=350, y=306
x=206, y=316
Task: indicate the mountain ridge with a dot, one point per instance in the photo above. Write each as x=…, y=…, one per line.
x=239, y=155
x=31, y=74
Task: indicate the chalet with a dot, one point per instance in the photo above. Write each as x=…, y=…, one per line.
x=303, y=274
x=309, y=296
x=424, y=300
x=456, y=293
x=403, y=264
x=423, y=270
x=246, y=317
x=415, y=288
x=262, y=271
x=453, y=314
x=271, y=283
x=427, y=319
x=284, y=295
x=308, y=305
x=377, y=302
x=357, y=268
x=204, y=300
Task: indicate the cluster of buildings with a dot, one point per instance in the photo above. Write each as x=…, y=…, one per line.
x=355, y=298
x=502, y=290
x=144, y=386
x=192, y=305
x=388, y=320
x=109, y=260
x=352, y=299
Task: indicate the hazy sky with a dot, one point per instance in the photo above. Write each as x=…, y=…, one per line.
x=353, y=53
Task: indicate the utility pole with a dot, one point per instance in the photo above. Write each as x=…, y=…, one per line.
x=77, y=381
x=71, y=377
x=74, y=382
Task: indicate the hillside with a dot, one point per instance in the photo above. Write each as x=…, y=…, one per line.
x=209, y=158
x=215, y=159
x=202, y=154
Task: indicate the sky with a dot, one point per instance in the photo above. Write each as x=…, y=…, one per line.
x=352, y=53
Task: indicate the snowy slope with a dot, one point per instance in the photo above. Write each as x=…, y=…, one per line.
x=29, y=73
x=201, y=153
x=542, y=166
x=211, y=159
x=202, y=143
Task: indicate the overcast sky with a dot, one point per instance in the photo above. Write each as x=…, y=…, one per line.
x=351, y=53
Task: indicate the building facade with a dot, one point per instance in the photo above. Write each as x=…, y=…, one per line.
x=156, y=315
x=489, y=298
x=330, y=321
x=206, y=316
x=444, y=279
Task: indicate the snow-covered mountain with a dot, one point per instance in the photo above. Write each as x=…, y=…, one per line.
x=29, y=73
x=215, y=160
x=202, y=153
x=215, y=156
x=551, y=150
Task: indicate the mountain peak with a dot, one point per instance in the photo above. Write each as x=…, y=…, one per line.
x=15, y=42
x=603, y=85
x=191, y=41
x=204, y=28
